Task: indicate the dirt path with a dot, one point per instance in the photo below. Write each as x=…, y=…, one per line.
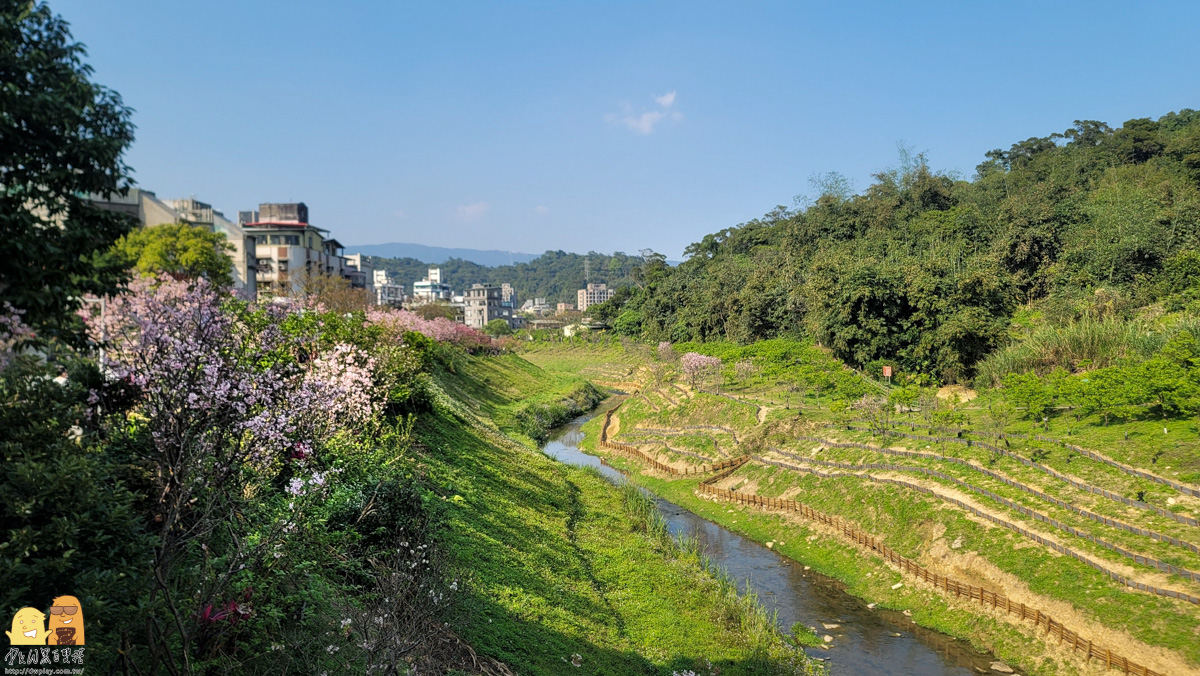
x=614, y=427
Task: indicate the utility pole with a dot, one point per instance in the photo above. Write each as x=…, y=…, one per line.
x=587, y=270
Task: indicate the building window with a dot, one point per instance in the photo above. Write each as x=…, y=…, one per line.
x=283, y=266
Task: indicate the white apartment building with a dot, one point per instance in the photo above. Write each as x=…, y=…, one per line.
x=431, y=289
x=484, y=302
x=150, y=211
x=387, y=290
x=289, y=248
x=361, y=275
x=594, y=294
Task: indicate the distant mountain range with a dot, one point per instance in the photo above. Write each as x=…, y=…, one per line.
x=436, y=254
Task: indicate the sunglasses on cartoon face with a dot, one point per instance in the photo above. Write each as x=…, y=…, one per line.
x=59, y=610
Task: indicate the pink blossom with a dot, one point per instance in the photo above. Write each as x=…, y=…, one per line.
x=697, y=365
x=439, y=329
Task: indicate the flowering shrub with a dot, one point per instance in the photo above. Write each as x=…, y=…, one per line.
x=665, y=351
x=233, y=410
x=696, y=366
x=248, y=423
x=13, y=332
x=345, y=375
x=439, y=329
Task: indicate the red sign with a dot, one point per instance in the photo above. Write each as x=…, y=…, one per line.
x=887, y=371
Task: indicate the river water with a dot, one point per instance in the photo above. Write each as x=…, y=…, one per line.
x=867, y=642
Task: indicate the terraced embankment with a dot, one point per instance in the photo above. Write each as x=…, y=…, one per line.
x=1105, y=582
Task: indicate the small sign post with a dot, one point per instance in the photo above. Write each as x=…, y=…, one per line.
x=887, y=373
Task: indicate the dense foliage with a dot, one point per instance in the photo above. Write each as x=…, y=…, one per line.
x=554, y=275
x=179, y=250
x=926, y=271
x=199, y=491
x=61, y=139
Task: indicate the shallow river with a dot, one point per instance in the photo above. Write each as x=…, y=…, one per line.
x=867, y=642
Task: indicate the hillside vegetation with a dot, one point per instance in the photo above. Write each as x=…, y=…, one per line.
x=1095, y=226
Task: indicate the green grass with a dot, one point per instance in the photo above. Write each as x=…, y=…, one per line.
x=556, y=561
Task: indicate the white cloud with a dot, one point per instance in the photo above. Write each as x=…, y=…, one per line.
x=541, y=209
x=644, y=122
x=473, y=212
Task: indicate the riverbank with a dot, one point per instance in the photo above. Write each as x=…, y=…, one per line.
x=856, y=639
x=680, y=427
x=556, y=571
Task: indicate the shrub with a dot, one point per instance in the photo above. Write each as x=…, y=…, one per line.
x=70, y=524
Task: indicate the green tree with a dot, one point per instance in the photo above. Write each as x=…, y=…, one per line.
x=498, y=327
x=1113, y=391
x=61, y=139
x=1028, y=391
x=1167, y=377
x=628, y=323
x=69, y=518
x=905, y=397
x=182, y=251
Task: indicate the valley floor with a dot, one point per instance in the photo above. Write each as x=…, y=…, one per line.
x=558, y=572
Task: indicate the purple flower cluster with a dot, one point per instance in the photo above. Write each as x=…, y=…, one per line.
x=219, y=403
x=13, y=332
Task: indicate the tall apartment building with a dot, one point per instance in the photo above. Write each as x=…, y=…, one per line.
x=483, y=303
x=432, y=288
x=388, y=291
x=594, y=294
x=289, y=249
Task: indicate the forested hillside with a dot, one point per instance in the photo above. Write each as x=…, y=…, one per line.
x=555, y=275
x=1092, y=231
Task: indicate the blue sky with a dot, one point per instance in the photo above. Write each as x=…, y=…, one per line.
x=602, y=126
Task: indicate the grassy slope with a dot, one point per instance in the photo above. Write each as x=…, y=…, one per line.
x=906, y=521
x=553, y=564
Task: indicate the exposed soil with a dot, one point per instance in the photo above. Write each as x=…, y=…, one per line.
x=950, y=391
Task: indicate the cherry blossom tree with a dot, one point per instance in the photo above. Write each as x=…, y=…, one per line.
x=697, y=366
